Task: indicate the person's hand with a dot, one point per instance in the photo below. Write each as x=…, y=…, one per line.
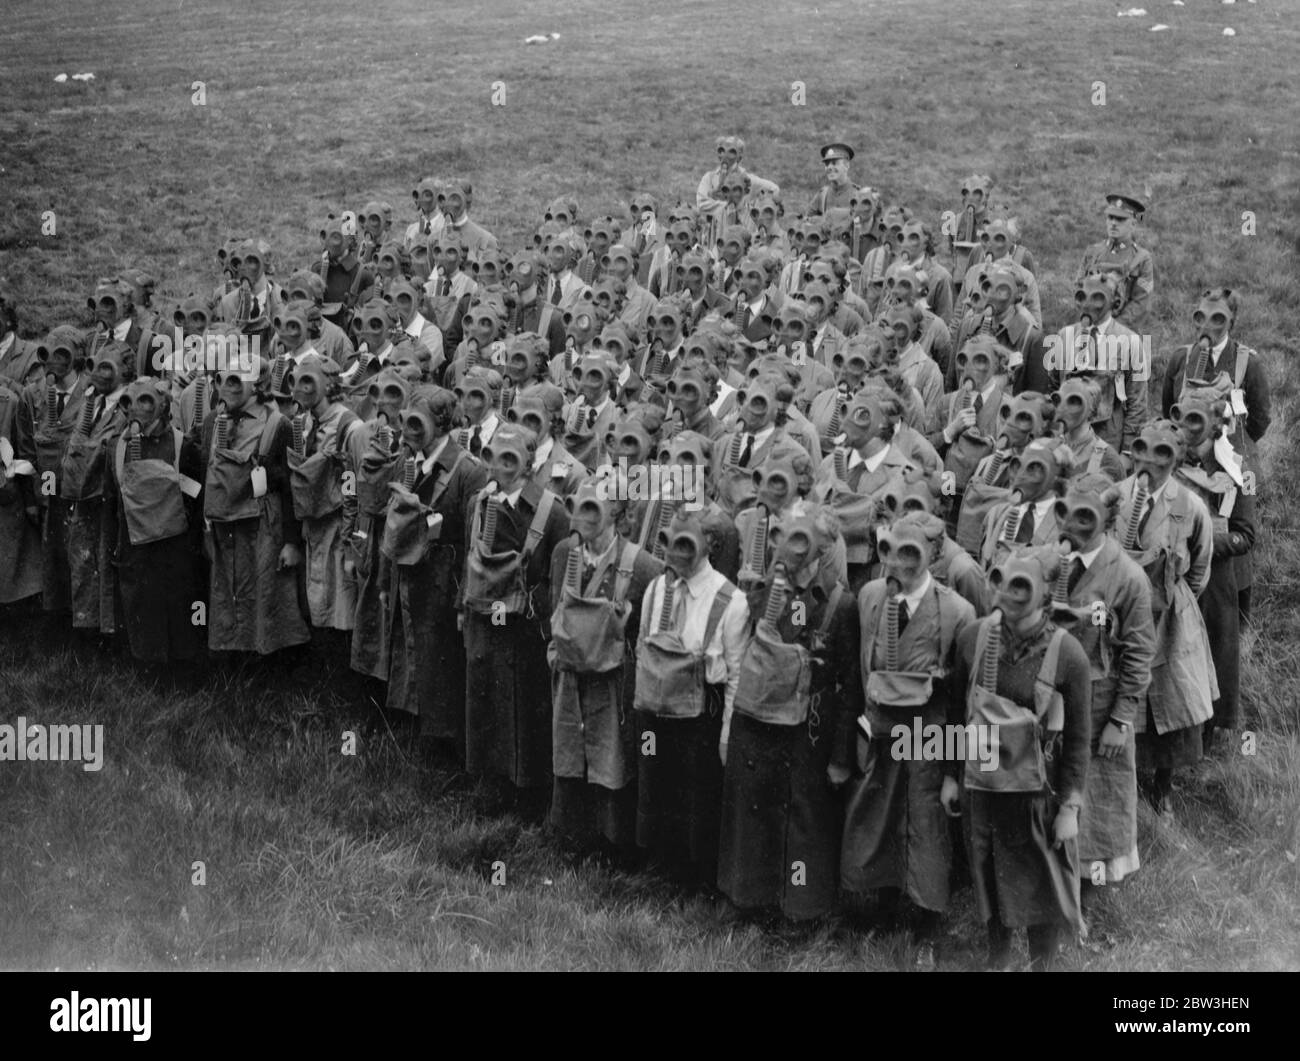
x=949, y=794
x=1066, y=826
x=1112, y=741
x=290, y=556
x=962, y=421
x=836, y=775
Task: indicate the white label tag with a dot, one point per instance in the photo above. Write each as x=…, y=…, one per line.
x=434, y=522
x=189, y=487
x=258, y=478
x=559, y=470
x=1238, y=402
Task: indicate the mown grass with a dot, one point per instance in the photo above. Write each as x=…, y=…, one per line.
x=319, y=860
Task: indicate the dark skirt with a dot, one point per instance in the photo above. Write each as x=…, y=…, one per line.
x=582, y=812
x=56, y=575
x=896, y=832
x=780, y=841
x=507, y=701
x=370, y=632
x=1168, y=751
x=679, y=788
x=92, y=535
x=159, y=587
x=426, y=671
x=1016, y=873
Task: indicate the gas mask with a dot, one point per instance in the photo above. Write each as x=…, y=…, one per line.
x=147, y=405
x=1019, y=586
x=1158, y=451
x=1076, y=402
x=1034, y=472
x=510, y=455
x=906, y=550
x=777, y=484
x=797, y=545
x=685, y=545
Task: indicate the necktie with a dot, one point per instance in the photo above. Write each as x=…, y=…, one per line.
x=748, y=451
x=978, y=404
x=476, y=440
x=425, y=227
x=446, y=287
x=1146, y=515
x=1026, y=532
x=904, y=614
x=555, y=291
x=1076, y=573
x=63, y=400
x=256, y=310
x=591, y=416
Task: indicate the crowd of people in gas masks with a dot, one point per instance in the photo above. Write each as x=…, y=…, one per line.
x=897, y=507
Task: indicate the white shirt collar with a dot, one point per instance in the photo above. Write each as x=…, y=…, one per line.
x=7, y=343
x=306, y=352
x=758, y=304
x=989, y=387
x=417, y=325
x=121, y=328
x=513, y=496
x=624, y=374
x=914, y=598
x=1089, y=556
x=872, y=462
x=1217, y=351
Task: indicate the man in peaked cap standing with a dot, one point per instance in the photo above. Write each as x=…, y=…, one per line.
x=1120, y=254
x=838, y=189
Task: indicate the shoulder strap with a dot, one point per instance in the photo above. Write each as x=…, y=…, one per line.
x=538, y=526
x=544, y=321
x=119, y=455
x=1243, y=362
x=1051, y=658
x=720, y=601
x=623, y=577
x=177, y=438
x=831, y=605
x=947, y=625
x=1094, y=460
x=273, y=418
x=440, y=486
x=870, y=605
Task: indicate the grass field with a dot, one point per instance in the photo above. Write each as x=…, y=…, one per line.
x=318, y=860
